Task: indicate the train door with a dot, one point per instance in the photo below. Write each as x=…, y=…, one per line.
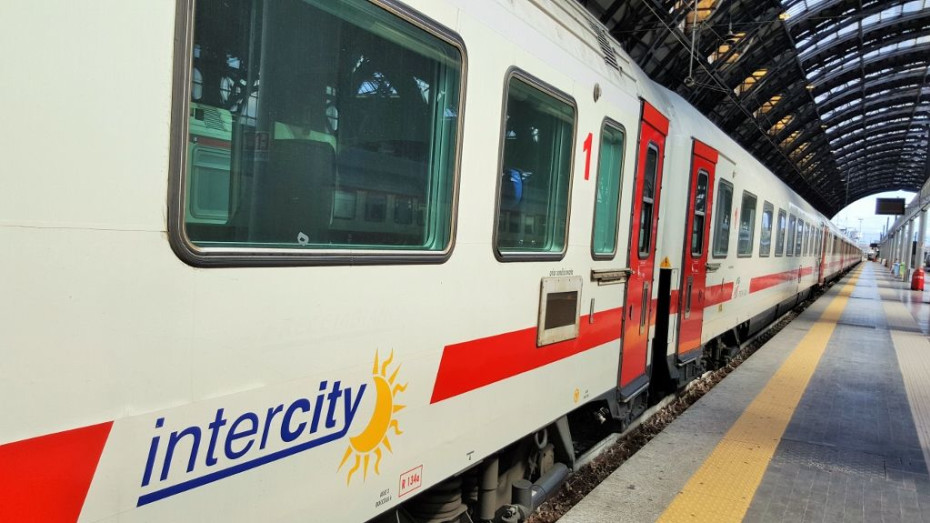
x=642, y=252
x=694, y=252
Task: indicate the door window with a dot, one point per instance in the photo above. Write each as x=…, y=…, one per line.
x=648, y=203
x=700, y=212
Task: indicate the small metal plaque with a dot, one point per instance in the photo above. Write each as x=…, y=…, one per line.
x=559, y=309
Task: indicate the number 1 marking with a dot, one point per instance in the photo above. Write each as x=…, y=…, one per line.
x=587, y=157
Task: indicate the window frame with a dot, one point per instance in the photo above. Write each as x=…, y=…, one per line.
x=792, y=231
x=617, y=126
x=243, y=256
x=651, y=146
x=550, y=90
x=717, y=197
x=780, y=230
x=752, y=225
x=799, y=239
x=767, y=206
x=807, y=238
x=694, y=214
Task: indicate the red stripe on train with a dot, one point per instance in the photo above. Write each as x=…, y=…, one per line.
x=717, y=294
x=474, y=364
x=47, y=478
x=770, y=280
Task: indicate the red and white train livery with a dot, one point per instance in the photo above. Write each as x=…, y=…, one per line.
x=305, y=260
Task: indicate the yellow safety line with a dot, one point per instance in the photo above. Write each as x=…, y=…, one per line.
x=723, y=488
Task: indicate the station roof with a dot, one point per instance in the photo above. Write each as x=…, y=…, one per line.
x=831, y=95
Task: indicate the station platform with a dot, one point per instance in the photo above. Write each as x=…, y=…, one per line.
x=828, y=421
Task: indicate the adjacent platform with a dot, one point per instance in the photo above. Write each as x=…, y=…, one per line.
x=829, y=421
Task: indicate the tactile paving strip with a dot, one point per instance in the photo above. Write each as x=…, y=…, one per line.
x=737, y=464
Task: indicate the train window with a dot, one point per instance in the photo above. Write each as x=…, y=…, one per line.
x=317, y=127
x=803, y=242
x=722, y=219
x=535, y=170
x=648, y=204
x=792, y=229
x=747, y=225
x=807, y=239
x=765, y=235
x=700, y=212
x=780, y=235
x=607, y=192
x=799, y=238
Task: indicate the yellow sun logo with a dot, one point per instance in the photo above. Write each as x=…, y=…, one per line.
x=370, y=440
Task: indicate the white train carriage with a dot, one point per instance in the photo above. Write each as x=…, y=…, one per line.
x=745, y=249
x=308, y=260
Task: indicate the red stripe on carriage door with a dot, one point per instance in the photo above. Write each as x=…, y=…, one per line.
x=474, y=364
x=47, y=478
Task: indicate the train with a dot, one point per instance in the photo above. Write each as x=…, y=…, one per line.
x=304, y=260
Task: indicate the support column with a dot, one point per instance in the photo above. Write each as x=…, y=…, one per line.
x=888, y=249
x=902, y=237
x=921, y=235
x=909, y=250
x=892, y=253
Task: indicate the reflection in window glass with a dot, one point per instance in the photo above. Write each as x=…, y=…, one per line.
x=722, y=219
x=648, y=204
x=780, y=237
x=606, y=205
x=747, y=225
x=208, y=189
x=533, y=196
x=792, y=223
x=700, y=213
x=765, y=236
x=331, y=124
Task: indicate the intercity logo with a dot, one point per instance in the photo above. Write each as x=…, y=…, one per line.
x=375, y=436
x=232, y=444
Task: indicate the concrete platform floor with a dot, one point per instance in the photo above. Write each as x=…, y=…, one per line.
x=829, y=421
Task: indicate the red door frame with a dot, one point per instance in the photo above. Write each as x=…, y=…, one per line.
x=694, y=268
x=637, y=309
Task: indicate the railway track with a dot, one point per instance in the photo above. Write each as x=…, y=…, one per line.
x=608, y=454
